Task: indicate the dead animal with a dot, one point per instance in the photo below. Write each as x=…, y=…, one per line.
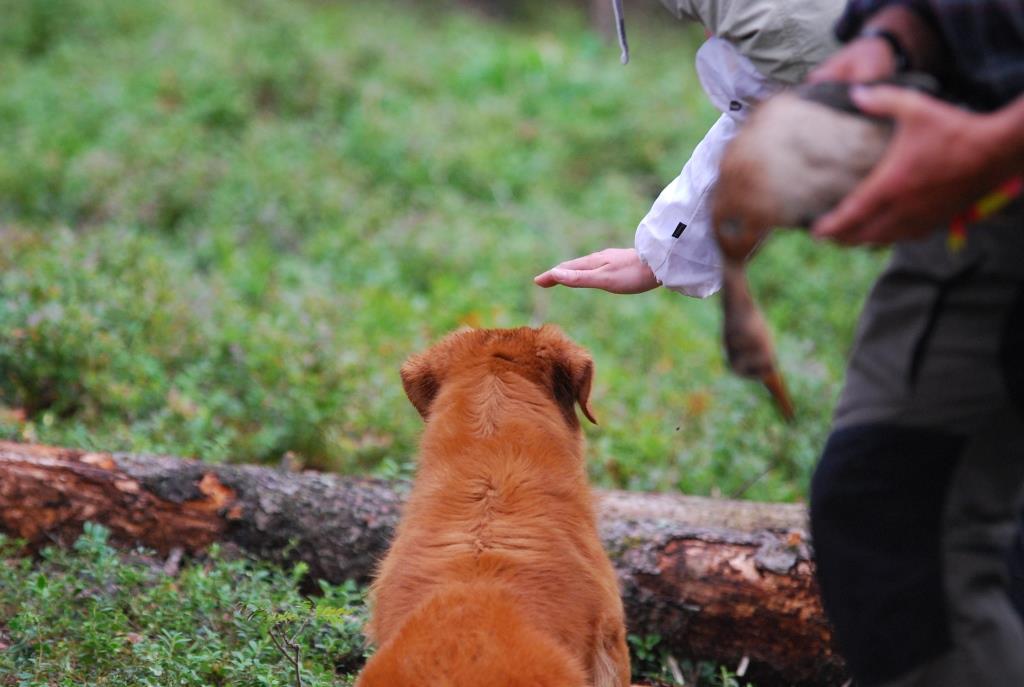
x=797, y=156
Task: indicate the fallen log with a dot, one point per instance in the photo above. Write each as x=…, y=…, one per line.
x=723, y=580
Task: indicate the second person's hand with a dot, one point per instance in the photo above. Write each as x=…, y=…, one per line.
x=615, y=270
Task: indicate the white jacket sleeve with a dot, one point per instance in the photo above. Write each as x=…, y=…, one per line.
x=675, y=238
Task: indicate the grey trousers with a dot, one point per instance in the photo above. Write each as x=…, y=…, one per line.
x=914, y=504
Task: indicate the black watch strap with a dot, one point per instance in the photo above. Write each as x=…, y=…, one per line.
x=899, y=52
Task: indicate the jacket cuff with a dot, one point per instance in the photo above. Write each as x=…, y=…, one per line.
x=692, y=272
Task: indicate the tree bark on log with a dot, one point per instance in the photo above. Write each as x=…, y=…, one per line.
x=720, y=580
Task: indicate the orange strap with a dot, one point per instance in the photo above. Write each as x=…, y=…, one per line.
x=986, y=207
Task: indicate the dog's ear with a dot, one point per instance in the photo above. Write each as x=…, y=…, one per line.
x=420, y=382
x=573, y=378
x=572, y=375
x=423, y=373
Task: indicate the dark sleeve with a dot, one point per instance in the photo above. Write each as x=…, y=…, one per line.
x=857, y=12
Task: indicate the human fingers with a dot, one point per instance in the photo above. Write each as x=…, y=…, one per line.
x=575, y=279
x=852, y=220
x=879, y=229
x=865, y=214
x=563, y=270
x=888, y=101
x=865, y=59
x=585, y=262
x=556, y=274
x=831, y=70
x=546, y=279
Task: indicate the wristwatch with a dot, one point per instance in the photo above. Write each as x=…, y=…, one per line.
x=899, y=52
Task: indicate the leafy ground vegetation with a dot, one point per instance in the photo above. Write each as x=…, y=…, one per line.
x=98, y=617
x=94, y=616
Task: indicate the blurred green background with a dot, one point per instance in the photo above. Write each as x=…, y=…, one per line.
x=223, y=226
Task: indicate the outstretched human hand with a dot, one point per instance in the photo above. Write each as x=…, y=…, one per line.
x=615, y=270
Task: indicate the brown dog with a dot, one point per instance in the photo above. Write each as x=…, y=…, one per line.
x=496, y=577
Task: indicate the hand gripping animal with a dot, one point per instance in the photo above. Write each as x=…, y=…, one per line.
x=796, y=157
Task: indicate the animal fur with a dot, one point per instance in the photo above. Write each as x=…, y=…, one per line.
x=497, y=577
x=792, y=162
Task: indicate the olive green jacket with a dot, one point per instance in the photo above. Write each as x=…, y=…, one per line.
x=783, y=38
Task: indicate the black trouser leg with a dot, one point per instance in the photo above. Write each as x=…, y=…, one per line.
x=912, y=529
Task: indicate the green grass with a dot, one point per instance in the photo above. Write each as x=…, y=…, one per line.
x=224, y=225
x=98, y=616
x=95, y=616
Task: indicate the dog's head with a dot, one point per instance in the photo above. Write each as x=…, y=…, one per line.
x=544, y=356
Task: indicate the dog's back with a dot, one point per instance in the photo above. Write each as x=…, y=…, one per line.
x=472, y=634
x=497, y=575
